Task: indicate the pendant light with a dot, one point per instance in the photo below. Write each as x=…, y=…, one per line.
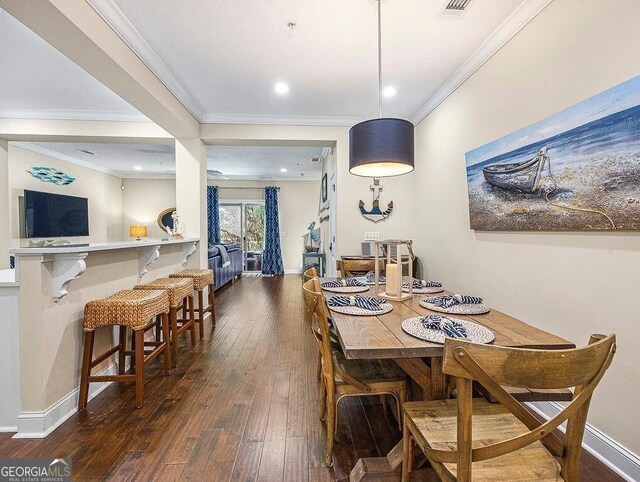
x=381, y=147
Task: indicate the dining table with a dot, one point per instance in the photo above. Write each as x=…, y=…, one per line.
x=382, y=337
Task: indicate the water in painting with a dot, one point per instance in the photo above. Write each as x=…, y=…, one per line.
x=576, y=170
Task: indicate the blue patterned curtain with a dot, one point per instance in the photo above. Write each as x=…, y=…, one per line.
x=213, y=215
x=272, y=257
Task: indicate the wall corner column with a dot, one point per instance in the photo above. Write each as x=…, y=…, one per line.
x=191, y=193
x=5, y=234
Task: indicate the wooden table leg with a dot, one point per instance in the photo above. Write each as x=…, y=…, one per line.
x=432, y=382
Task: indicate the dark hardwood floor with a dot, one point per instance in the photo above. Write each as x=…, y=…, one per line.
x=243, y=405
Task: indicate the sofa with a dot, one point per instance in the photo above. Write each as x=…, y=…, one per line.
x=222, y=276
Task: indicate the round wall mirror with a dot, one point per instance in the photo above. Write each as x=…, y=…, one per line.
x=165, y=219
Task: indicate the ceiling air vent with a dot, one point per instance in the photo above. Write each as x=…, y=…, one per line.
x=87, y=151
x=315, y=159
x=456, y=7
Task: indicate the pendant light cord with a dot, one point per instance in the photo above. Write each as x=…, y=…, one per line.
x=379, y=58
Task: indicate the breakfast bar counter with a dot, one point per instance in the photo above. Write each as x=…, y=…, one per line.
x=48, y=292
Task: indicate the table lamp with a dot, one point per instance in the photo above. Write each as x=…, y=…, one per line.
x=138, y=232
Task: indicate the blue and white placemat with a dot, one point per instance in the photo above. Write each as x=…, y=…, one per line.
x=426, y=330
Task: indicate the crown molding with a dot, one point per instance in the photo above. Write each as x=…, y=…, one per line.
x=121, y=25
x=73, y=114
x=65, y=158
x=336, y=121
x=505, y=32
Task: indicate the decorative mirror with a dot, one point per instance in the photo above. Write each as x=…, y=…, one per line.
x=164, y=218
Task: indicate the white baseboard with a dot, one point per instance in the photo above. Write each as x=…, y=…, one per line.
x=292, y=271
x=41, y=424
x=8, y=429
x=618, y=458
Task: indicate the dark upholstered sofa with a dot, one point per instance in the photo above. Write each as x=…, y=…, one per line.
x=222, y=275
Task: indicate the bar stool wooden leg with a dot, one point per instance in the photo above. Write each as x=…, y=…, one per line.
x=165, y=339
x=86, y=369
x=139, y=335
x=212, y=304
x=173, y=320
x=193, y=320
x=201, y=313
x=122, y=330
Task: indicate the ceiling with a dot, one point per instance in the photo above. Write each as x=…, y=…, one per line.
x=224, y=57
x=158, y=160
x=37, y=81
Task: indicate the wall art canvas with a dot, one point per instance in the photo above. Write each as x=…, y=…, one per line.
x=576, y=170
x=49, y=174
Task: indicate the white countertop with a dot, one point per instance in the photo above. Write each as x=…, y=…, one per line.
x=87, y=248
x=8, y=277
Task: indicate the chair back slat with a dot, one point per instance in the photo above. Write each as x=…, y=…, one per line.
x=350, y=268
x=540, y=369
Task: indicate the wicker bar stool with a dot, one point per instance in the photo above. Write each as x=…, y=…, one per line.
x=201, y=279
x=138, y=310
x=180, y=291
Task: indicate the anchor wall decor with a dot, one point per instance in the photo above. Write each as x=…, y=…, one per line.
x=376, y=214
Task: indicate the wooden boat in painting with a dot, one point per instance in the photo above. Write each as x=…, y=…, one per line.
x=518, y=176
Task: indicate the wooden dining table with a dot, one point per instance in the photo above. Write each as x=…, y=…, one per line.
x=382, y=337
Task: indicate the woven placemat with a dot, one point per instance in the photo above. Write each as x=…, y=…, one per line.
x=425, y=290
x=346, y=289
x=356, y=310
x=466, y=309
x=475, y=332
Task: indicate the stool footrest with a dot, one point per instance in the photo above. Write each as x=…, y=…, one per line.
x=104, y=356
x=112, y=378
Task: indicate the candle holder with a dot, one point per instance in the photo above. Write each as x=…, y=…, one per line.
x=393, y=286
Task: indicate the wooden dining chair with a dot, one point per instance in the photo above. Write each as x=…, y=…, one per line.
x=350, y=268
x=472, y=439
x=310, y=273
x=343, y=378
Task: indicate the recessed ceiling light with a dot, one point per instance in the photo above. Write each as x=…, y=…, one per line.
x=137, y=168
x=281, y=88
x=389, y=91
x=284, y=169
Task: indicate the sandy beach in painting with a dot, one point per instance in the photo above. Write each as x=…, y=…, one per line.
x=594, y=179
x=610, y=184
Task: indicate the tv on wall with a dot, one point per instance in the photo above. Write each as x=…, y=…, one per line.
x=54, y=215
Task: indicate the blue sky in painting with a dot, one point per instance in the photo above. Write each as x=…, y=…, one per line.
x=620, y=97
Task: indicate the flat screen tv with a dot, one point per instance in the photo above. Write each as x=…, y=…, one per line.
x=54, y=215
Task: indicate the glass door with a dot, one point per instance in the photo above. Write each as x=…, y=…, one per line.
x=230, y=223
x=253, y=236
x=243, y=223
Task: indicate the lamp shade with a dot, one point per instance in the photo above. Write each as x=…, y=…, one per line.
x=381, y=148
x=138, y=231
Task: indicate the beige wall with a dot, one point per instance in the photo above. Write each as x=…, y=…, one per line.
x=143, y=200
x=573, y=284
x=102, y=190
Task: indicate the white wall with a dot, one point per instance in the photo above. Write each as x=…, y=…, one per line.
x=102, y=190
x=572, y=284
x=4, y=203
x=143, y=200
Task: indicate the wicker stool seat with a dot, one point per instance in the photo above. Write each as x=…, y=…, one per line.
x=180, y=293
x=138, y=310
x=201, y=279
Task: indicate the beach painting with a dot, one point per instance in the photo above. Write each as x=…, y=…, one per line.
x=576, y=170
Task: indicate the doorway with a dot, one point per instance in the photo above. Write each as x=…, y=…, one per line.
x=243, y=223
